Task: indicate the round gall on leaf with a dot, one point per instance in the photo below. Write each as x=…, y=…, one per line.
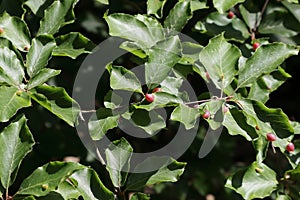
x=149, y=97
x=206, y=115
x=271, y=137
x=290, y=147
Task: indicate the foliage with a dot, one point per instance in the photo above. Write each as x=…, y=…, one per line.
x=35, y=36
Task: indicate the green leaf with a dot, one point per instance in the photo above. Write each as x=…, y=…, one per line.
x=124, y=79
x=39, y=54
x=278, y=120
x=103, y=1
x=155, y=7
x=140, y=196
x=261, y=145
x=170, y=171
x=35, y=5
x=11, y=100
x=220, y=66
x=171, y=85
x=222, y=6
x=261, y=89
x=267, y=123
x=150, y=121
x=133, y=48
x=118, y=159
x=235, y=122
x=283, y=197
x=198, y=5
x=162, y=57
x=47, y=178
x=16, y=142
x=57, y=101
x=255, y=181
x=41, y=77
x=145, y=31
x=101, y=122
x=277, y=22
x=56, y=16
x=293, y=8
x=251, y=18
x=179, y=15
x=15, y=30
x=7, y=43
x=11, y=68
x=67, y=190
x=186, y=115
x=259, y=64
x=72, y=45
x=216, y=23
x=90, y=186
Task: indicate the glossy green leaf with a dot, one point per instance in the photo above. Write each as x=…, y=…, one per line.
x=179, y=15
x=90, y=186
x=15, y=30
x=39, y=54
x=133, y=48
x=101, y=122
x=11, y=68
x=149, y=121
x=118, y=156
x=198, y=5
x=162, y=57
x=186, y=115
x=261, y=89
x=67, y=190
x=261, y=145
x=277, y=22
x=56, y=16
x=278, y=120
x=145, y=31
x=216, y=23
x=72, y=45
x=171, y=85
x=140, y=196
x=103, y=1
x=255, y=181
x=41, y=77
x=259, y=64
x=236, y=123
x=220, y=59
x=47, y=178
x=267, y=123
x=296, y=126
x=170, y=171
x=16, y=142
x=251, y=18
x=155, y=7
x=7, y=43
x=293, y=8
x=190, y=52
x=223, y=6
x=283, y=197
x=11, y=100
x=124, y=79
x=36, y=5
x=57, y=101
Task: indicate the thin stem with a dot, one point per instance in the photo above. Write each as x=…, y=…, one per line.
x=186, y=103
x=260, y=16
